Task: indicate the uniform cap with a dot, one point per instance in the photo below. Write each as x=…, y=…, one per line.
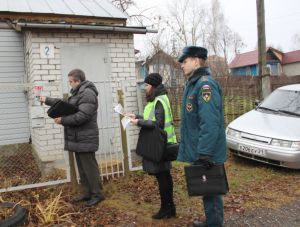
x=193, y=51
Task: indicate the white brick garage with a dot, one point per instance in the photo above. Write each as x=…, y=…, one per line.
x=119, y=73
x=86, y=34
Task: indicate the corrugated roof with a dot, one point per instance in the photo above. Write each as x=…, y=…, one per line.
x=291, y=57
x=89, y=8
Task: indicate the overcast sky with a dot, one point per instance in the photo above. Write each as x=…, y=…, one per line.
x=282, y=21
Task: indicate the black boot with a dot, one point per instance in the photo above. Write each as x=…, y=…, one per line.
x=173, y=210
x=165, y=212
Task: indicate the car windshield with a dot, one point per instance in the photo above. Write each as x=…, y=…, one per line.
x=283, y=101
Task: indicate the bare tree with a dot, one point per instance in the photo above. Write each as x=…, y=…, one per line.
x=123, y=4
x=216, y=27
x=137, y=16
x=187, y=22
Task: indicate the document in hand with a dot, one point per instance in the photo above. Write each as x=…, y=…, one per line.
x=61, y=108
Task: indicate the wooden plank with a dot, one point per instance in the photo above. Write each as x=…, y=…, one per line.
x=5, y=94
x=10, y=80
x=9, y=33
x=14, y=110
x=10, y=59
x=16, y=131
x=12, y=54
x=12, y=64
x=13, y=136
x=7, y=119
x=11, y=49
x=58, y=18
x=11, y=100
x=13, y=105
x=10, y=39
x=14, y=141
x=13, y=126
x=15, y=69
x=10, y=43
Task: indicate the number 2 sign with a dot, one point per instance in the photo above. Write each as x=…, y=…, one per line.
x=47, y=50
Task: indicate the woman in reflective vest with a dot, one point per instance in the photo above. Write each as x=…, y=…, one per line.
x=157, y=112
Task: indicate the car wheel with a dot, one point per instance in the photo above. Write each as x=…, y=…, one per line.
x=17, y=219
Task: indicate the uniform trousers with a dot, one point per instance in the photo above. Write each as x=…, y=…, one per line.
x=213, y=208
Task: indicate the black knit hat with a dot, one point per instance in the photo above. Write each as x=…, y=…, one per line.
x=193, y=51
x=153, y=79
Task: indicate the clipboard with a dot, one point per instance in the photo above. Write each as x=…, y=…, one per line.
x=61, y=108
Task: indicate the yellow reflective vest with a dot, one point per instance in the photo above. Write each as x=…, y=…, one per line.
x=149, y=114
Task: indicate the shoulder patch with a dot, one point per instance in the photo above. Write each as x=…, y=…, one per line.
x=206, y=92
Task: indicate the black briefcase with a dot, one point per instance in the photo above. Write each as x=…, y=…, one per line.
x=61, y=108
x=201, y=182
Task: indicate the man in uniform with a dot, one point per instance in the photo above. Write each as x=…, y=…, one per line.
x=202, y=130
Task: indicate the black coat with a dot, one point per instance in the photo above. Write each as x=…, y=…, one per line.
x=81, y=129
x=150, y=166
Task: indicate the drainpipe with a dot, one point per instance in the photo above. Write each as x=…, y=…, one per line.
x=135, y=30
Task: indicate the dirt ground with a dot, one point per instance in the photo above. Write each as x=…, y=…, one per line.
x=259, y=195
x=285, y=216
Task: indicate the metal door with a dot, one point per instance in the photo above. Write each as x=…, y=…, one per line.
x=93, y=60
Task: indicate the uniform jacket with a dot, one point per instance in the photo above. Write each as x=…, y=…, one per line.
x=81, y=129
x=149, y=166
x=202, y=119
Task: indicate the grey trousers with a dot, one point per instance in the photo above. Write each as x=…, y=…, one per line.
x=89, y=174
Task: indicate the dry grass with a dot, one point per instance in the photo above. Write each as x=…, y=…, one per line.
x=52, y=210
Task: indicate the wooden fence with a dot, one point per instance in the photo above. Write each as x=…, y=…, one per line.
x=239, y=95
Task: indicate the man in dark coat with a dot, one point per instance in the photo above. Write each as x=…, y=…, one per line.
x=82, y=134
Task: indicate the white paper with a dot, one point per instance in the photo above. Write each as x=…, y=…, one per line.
x=119, y=109
x=125, y=122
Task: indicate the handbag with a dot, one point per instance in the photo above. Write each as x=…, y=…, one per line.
x=61, y=108
x=152, y=143
x=171, y=152
x=206, y=182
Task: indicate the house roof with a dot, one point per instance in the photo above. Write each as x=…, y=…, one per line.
x=86, y=8
x=249, y=58
x=291, y=57
x=163, y=58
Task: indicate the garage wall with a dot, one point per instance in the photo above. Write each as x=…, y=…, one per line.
x=14, y=121
x=48, y=140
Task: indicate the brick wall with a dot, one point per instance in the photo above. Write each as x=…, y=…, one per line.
x=48, y=140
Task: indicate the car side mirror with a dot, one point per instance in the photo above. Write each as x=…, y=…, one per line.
x=257, y=102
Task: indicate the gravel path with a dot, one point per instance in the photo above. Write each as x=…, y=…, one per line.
x=286, y=216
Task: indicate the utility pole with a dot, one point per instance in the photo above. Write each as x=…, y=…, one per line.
x=262, y=58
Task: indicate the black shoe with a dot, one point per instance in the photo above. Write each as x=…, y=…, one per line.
x=173, y=211
x=199, y=224
x=80, y=198
x=94, y=200
x=165, y=213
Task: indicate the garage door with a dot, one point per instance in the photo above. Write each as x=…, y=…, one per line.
x=14, y=122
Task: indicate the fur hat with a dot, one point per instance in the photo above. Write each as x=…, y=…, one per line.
x=153, y=79
x=193, y=51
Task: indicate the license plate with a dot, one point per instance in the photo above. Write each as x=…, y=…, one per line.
x=252, y=150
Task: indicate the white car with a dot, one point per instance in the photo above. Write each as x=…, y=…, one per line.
x=271, y=132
